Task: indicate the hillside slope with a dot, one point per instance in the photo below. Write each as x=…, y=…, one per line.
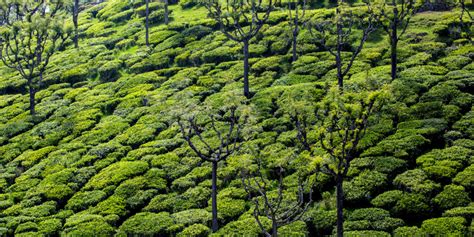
x=103, y=157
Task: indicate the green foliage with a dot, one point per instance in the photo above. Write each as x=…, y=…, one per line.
x=83, y=200
x=76, y=74
x=230, y=208
x=445, y=226
x=363, y=186
x=116, y=173
x=372, y=219
x=49, y=226
x=146, y=224
x=104, y=151
x=109, y=71
x=297, y=228
x=243, y=227
x=416, y=181
x=221, y=54
x=444, y=164
x=452, y=196
x=122, y=16
x=387, y=199
x=192, y=216
x=186, y=4
x=152, y=6
x=268, y=64
x=408, y=231
x=466, y=178
x=91, y=228
x=196, y=230
x=366, y=233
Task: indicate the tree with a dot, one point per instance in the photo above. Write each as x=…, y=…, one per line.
x=75, y=15
x=166, y=11
x=336, y=39
x=282, y=207
x=338, y=124
x=240, y=21
x=296, y=17
x=147, y=11
x=214, y=134
x=29, y=38
x=397, y=19
x=466, y=25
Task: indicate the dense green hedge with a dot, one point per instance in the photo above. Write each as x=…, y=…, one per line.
x=104, y=156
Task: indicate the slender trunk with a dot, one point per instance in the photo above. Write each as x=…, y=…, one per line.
x=146, y=24
x=394, y=58
x=246, y=69
x=340, y=77
x=274, y=228
x=75, y=15
x=166, y=12
x=32, y=98
x=215, y=225
x=394, y=40
x=340, y=206
x=295, y=35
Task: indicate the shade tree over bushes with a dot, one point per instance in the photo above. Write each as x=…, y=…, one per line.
x=296, y=17
x=466, y=25
x=30, y=37
x=335, y=35
x=240, y=21
x=271, y=200
x=75, y=16
x=334, y=129
x=215, y=132
x=394, y=22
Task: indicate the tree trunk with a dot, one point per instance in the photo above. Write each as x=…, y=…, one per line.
x=146, y=24
x=394, y=58
x=274, y=228
x=394, y=41
x=246, y=69
x=295, y=35
x=340, y=77
x=166, y=12
x=32, y=98
x=215, y=225
x=75, y=15
x=340, y=206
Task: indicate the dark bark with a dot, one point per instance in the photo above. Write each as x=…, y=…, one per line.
x=343, y=30
x=295, y=35
x=246, y=68
x=32, y=93
x=75, y=15
x=230, y=17
x=466, y=26
x=394, y=41
x=146, y=24
x=340, y=206
x=215, y=225
x=340, y=76
x=395, y=26
x=24, y=50
x=166, y=12
x=230, y=142
x=394, y=58
x=295, y=21
x=272, y=207
x=274, y=228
